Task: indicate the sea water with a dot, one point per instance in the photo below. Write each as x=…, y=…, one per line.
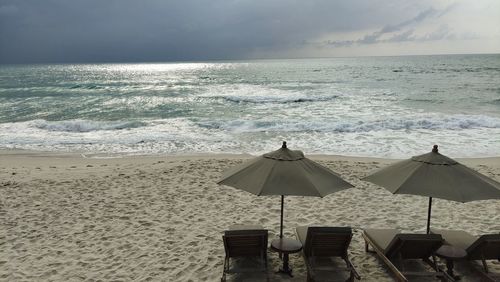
x=368, y=106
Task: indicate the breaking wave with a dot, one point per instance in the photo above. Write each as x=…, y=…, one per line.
x=353, y=126
x=79, y=125
x=258, y=94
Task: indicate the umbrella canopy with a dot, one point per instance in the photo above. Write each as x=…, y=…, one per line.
x=435, y=175
x=284, y=172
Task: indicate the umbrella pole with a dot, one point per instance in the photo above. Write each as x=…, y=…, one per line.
x=282, y=206
x=429, y=216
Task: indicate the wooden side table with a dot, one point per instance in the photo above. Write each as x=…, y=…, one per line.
x=450, y=254
x=286, y=246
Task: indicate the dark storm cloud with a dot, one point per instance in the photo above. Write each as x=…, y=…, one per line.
x=402, y=31
x=159, y=30
x=417, y=19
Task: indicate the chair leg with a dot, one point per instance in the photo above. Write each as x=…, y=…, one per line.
x=485, y=266
x=223, y=278
x=401, y=263
x=309, y=277
x=309, y=269
x=265, y=268
x=367, y=248
x=443, y=275
x=434, y=263
x=351, y=277
x=352, y=270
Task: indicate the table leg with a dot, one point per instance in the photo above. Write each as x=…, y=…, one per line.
x=449, y=269
x=286, y=267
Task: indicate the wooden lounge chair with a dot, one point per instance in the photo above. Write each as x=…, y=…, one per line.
x=321, y=245
x=485, y=247
x=246, y=227
x=246, y=251
x=394, y=247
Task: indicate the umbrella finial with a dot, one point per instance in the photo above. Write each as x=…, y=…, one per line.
x=435, y=149
x=284, y=145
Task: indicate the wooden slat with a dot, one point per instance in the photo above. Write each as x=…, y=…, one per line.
x=381, y=255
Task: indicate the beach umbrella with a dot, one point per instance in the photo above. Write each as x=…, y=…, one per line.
x=284, y=172
x=435, y=176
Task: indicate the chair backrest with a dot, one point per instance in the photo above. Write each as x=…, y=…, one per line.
x=245, y=243
x=413, y=246
x=485, y=247
x=327, y=241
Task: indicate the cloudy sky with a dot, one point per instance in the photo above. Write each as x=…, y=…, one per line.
x=38, y=31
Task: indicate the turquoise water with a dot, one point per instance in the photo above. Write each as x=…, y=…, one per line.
x=377, y=106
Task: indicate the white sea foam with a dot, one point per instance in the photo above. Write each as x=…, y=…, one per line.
x=83, y=125
x=393, y=138
x=245, y=93
x=141, y=102
x=429, y=122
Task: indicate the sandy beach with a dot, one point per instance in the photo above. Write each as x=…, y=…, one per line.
x=95, y=218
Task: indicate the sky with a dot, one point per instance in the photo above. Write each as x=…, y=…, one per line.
x=59, y=31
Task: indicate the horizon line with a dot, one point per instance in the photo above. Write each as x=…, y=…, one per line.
x=236, y=59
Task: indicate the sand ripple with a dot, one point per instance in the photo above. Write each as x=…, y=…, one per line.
x=161, y=219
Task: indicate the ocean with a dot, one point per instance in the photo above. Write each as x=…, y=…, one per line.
x=392, y=107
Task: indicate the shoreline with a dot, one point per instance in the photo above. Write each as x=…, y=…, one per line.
x=34, y=153
x=41, y=157
x=66, y=217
